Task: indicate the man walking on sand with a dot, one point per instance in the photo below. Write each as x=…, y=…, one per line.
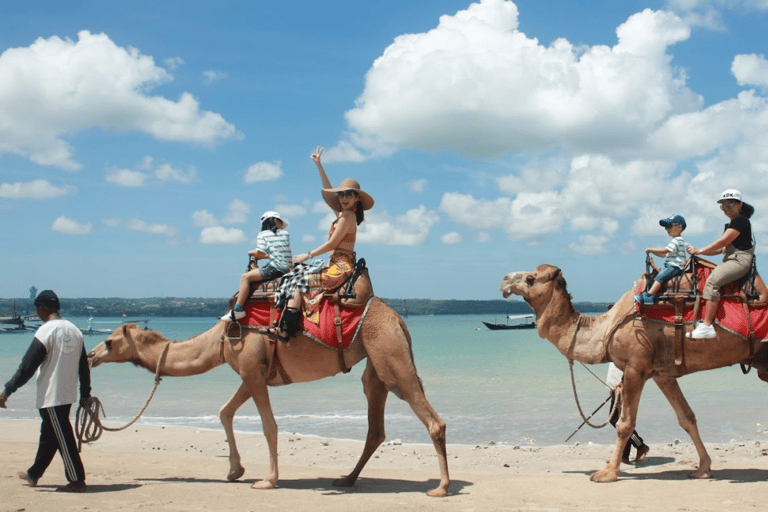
x=59, y=353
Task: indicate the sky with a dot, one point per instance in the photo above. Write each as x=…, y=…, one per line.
x=140, y=142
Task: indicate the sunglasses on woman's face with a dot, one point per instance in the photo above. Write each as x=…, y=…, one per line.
x=346, y=193
x=727, y=205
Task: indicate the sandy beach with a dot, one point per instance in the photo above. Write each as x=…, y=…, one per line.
x=171, y=468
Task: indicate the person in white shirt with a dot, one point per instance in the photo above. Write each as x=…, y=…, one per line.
x=613, y=380
x=58, y=356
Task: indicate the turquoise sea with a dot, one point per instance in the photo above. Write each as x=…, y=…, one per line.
x=509, y=387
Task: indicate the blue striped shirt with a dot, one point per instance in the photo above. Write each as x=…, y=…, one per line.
x=676, y=253
x=278, y=247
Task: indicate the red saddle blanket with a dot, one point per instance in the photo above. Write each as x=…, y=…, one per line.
x=324, y=331
x=730, y=310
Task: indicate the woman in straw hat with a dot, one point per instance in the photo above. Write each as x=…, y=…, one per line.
x=348, y=202
x=738, y=248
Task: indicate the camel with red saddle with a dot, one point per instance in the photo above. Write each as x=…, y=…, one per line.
x=256, y=355
x=642, y=348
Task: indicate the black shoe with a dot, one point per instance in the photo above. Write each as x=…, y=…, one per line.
x=79, y=486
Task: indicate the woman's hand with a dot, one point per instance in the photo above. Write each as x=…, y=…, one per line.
x=692, y=250
x=301, y=258
x=316, y=155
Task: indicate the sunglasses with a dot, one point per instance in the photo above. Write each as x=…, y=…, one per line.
x=727, y=206
x=346, y=193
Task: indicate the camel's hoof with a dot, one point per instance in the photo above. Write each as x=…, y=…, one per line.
x=700, y=474
x=263, y=484
x=344, y=482
x=605, y=476
x=438, y=493
x=235, y=474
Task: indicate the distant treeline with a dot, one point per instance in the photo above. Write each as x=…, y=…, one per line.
x=213, y=307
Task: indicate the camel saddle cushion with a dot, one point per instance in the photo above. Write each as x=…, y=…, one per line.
x=262, y=313
x=731, y=314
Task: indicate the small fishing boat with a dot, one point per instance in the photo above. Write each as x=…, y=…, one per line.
x=517, y=322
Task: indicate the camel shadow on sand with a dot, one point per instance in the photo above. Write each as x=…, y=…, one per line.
x=325, y=485
x=681, y=471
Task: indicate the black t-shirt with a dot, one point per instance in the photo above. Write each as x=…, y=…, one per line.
x=741, y=224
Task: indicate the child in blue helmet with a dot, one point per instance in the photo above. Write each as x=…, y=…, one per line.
x=674, y=255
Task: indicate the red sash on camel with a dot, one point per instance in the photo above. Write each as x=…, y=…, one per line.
x=260, y=313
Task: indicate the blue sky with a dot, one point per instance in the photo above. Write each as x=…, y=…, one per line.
x=140, y=142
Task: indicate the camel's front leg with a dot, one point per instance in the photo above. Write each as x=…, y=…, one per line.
x=257, y=387
x=376, y=393
x=227, y=415
x=632, y=389
x=687, y=419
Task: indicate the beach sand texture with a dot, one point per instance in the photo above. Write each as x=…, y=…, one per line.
x=173, y=468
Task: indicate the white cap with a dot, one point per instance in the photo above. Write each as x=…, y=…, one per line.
x=272, y=214
x=730, y=194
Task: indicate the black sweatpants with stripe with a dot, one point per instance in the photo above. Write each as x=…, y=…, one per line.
x=56, y=434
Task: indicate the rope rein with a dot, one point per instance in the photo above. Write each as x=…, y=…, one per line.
x=88, y=426
x=616, y=404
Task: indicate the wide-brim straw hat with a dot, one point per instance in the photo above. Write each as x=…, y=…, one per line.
x=329, y=194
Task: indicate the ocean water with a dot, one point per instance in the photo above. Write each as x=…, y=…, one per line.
x=510, y=387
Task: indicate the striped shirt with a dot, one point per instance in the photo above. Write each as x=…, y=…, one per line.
x=676, y=253
x=277, y=246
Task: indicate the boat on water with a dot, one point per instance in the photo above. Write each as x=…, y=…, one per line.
x=91, y=331
x=514, y=322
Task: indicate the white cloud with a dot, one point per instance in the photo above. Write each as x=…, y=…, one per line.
x=204, y=219
x=237, y=212
x=263, y=171
x=590, y=245
x=477, y=85
x=291, y=211
x=56, y=88
x=146, y=227
x=70, y=226
x=211, y=76
x=173, y=63
x=142, y=226
x=481, y=237
x=451, y=238
x=165, y=172
x=750, y=70
x=151, y=174
x=218, y=235
x=412, y=228
x=417, y=186
x=37, y=189
x=127, y=178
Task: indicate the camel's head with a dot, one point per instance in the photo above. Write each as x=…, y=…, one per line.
x=533, y=286
x=119, y=347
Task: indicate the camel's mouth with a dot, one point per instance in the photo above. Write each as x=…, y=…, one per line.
x=508, y=285
x=93, y=360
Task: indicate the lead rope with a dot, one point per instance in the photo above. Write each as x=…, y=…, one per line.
x=616, y=404
x=88, y=426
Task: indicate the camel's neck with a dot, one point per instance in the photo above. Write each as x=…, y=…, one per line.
x=577, y=337
x=194, y=356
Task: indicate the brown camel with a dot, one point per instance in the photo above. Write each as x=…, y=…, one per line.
x=383, y=339
x=642, y=349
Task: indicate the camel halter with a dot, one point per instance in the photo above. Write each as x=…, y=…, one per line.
x=88, y=426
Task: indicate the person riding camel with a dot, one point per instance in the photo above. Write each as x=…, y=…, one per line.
x=348, y=201
x=738, y=249
x=273, y=243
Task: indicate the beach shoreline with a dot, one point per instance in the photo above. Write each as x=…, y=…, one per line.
x=178, y=468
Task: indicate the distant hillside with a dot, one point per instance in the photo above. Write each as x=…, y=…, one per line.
x=213, y=307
